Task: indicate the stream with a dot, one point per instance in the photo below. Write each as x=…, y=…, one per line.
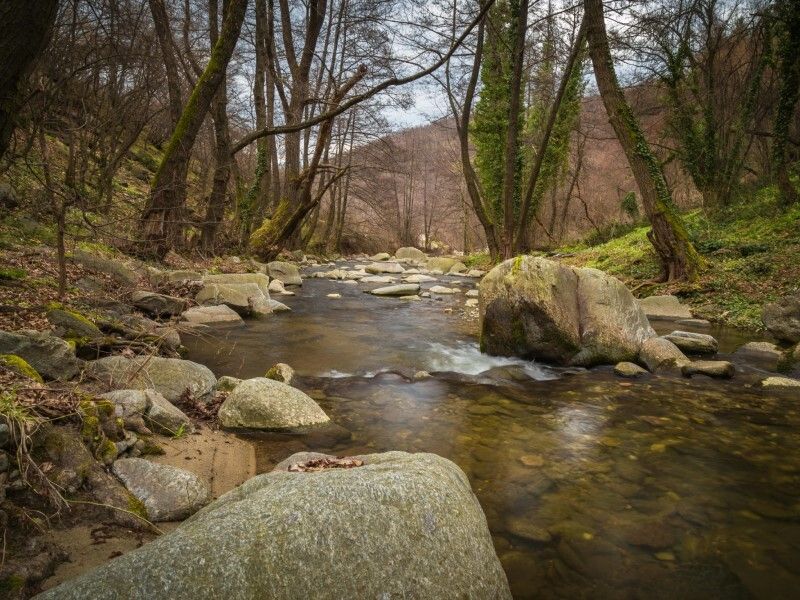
x=593, y=486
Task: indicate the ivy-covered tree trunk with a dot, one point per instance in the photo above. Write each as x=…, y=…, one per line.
x=679, y=259
x=162, y=221
x=25, y=29
x=788, y=21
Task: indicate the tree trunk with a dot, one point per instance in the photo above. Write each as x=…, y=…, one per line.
x=25, y=29
x=164, y=34
x=679, y=259
x=162, y=221
x=789, y=77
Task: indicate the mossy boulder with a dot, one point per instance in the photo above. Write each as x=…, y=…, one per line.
x=400, y=526
x=20, y=366
x=410, y=254
x=72, y=324
x=50, y=356
x=440, y=263
x=782, y=318
x=540, y=309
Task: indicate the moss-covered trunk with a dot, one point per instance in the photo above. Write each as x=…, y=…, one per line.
x=162, y=221
x=679, y=259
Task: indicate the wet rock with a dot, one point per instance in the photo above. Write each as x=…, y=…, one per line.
x=281, y=372
x=471, y=303
x=629, y=369
x=171, y=377
x=405, y=289
x=664, y=307
x=325, y=535
x=693, y=322
x=276, y=306
x=419, y=279
x=659, y=354
x=52, y=357
x=212, y=315
x=653, y=535
x=263, y=403
x=168, y=493
x=782, y=318
x=537, y=308
x=287, y=273
x=378, y=279
x=780, y=382
x=721, y=369
x=158, y=305
x=333, y=295
x=531, y=460
x=765, y=355
x=384, y=267
x=472, y=294
x=411, y=254
x=226, y=383
x=70, y=324
x=244, y=298
x=693, y=343
x=276, y=287
x=380, y=256
x=440, y=289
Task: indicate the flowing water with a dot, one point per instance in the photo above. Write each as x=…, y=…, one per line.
x=593, y=486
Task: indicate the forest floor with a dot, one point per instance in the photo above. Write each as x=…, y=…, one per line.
x=751, y=252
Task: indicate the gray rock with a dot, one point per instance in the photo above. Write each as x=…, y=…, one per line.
x=212, y=315
x=384, y=267
x=179, y=277
x=72, y=325
x=629, y=369
x=458, y=267
x=171, y=377
x=419, y=278
x=404, y=289
x=276, y=306
x=5, y=435
x=693, y=343
x=276, y=287
x=537, y=308
x=380, y=256
x=378, y=279
x=245, y=298
x=259, y=279
x=52, y=357
x=665, y=307
x=525, y=528
x=120, y=271
x=158, y=305
x=158, y=412
x=288, y=273
x=401, y=526
x=720, y=369
x=782, y=318
x=281, y=372
x=694, y=322
x=659, y=354
x=168, y=493
x=411, y=254
x=440, y=289
x=765, y=355
x=262, y=403
x=780, y=382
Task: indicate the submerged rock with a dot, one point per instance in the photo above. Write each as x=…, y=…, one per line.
x=400, y=526
x=780, y=382
x=765, y=355
x=52, y=357
x=263, y=403
x=693, y=343
x=664, y=307
x=405, y=289
x=171, y=377
x=168, y=493
x=537, y=308
x=782, y=318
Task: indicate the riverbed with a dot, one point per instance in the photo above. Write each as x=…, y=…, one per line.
x=593, y=486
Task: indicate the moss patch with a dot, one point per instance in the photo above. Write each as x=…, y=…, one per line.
x=21, y=366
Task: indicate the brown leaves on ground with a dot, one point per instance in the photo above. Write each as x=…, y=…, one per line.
x=198, y=409
x=322, y=464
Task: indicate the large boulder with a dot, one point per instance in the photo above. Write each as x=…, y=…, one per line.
x=212, y=315
x=288, y=273
x=400, y=526
x=782, y=318
x=245, y=298
x=263, y=403
x=261, y=280
x=665, y=307
x=410, y=254
x=171, y=377
x=440, y=263
x=158, y=305
x=70, y=324
x=52, y=357
x=693, y=343
x=168, y=493
x=540, y=309
x=384, y=267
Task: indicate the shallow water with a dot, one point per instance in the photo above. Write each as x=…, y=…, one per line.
x=593, y=486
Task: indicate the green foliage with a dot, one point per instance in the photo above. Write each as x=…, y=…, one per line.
x=629, y=205
x=478, y=260
x=12, y=273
